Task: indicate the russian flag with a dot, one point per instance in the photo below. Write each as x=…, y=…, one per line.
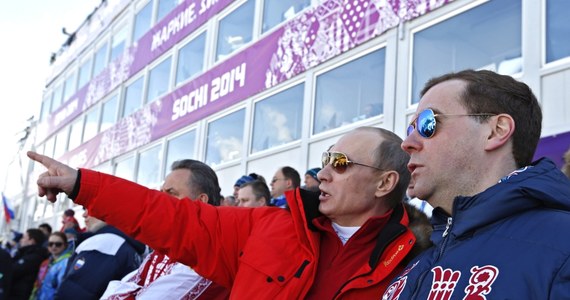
x=8, y=211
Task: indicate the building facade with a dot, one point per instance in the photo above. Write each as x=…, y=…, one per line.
x=249, y=86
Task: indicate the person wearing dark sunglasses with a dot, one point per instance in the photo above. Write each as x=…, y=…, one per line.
x=345, y=242
x=499, y=217
x=52, y=269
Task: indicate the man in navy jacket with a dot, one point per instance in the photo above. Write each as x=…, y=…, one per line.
x=500, y=220
x=106, y=255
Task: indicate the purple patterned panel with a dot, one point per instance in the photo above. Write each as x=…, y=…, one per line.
x=553, y=147
x=311, y=38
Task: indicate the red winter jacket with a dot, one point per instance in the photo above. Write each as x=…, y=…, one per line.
x=261, y=253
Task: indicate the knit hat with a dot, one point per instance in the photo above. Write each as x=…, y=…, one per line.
x=244, y=179
x=313, y=173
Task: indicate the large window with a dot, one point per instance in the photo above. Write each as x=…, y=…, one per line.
x=149, y=167
x=225, y=138
x=191, y=58
x=557, y=30
x=143, y=20
x=235, y=30
x=85, y=72
x=119, y=42
x=46, y=107
x=57, y=96
x=278, y=119
x=351, y=92
x=158, y=80
x=100, y=59
x=109, y=113
x=70, y=86
x=125, y=168
x=278, y=11
x=91, y=124
x=133, y=97
x=180, y=147
x=60, y=143
x=164, y=7
x=75, y=134
x=485, y=37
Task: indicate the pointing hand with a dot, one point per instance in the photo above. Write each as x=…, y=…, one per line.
x=58, y=177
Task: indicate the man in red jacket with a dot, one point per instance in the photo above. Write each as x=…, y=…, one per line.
x=346, y=242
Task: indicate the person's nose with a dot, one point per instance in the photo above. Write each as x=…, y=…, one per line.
x=412, y=142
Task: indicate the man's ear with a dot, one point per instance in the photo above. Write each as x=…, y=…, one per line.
x=502, y=128
x=387, y=183
x=203, y=197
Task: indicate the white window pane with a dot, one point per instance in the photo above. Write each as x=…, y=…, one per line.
x=351, y=92
x=48, y=150
x=119, y=43
x=164, y=7
x=57, y=97
x=70, y=86
x=485, y=37
x=225, y=138
x=91, y=124
x=75, y=134
x=109, y=113
x=142, y=21
x=278, y=11
x=60, y=143
x=235, y=30
x=46, y=107
x=125, y=169
x=100, y=59
x=158, y=80
x=180, y=147
x=557, y=30
x=191, y=58
x=133, y=97
x=278, y=119
x=85, y=73
x=149, y=167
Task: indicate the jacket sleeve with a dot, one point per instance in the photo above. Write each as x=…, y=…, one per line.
x=26, y=265
x=561, y=286
x=207, y=238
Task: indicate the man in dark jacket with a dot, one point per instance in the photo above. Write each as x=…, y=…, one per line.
x=499, y=218
x=107, y=255
x=5, y=274
x=26, y=263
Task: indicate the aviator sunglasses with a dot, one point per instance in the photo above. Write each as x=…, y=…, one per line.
x=339, y=161
x=425, y=123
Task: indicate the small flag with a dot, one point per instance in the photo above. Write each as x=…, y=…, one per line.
x=8, y=211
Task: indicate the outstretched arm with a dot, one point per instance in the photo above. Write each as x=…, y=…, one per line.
x=58, y=177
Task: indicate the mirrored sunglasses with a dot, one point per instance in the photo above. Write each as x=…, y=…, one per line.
x=339, y=161
x=426, y=123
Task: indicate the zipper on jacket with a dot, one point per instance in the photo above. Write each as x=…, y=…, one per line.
x=446, y=232
x=441, y=250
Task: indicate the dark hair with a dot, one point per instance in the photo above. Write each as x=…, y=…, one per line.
x=259, y=189
x=202, y=179
x=293, y=175
x=389, y=155
x=489, y=92
x=37, y=235
x=46, y=226
x=62, y=236
x=69, y=212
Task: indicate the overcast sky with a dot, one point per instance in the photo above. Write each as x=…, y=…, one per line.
x=30, y=32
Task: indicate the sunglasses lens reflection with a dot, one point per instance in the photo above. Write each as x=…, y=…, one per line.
x=337, y=160
x=426, y=123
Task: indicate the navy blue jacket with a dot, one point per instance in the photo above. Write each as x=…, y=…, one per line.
x=508, y=242
x=107, y=255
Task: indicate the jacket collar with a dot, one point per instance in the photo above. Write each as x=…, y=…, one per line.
x=392, y=229
x=540, y=185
